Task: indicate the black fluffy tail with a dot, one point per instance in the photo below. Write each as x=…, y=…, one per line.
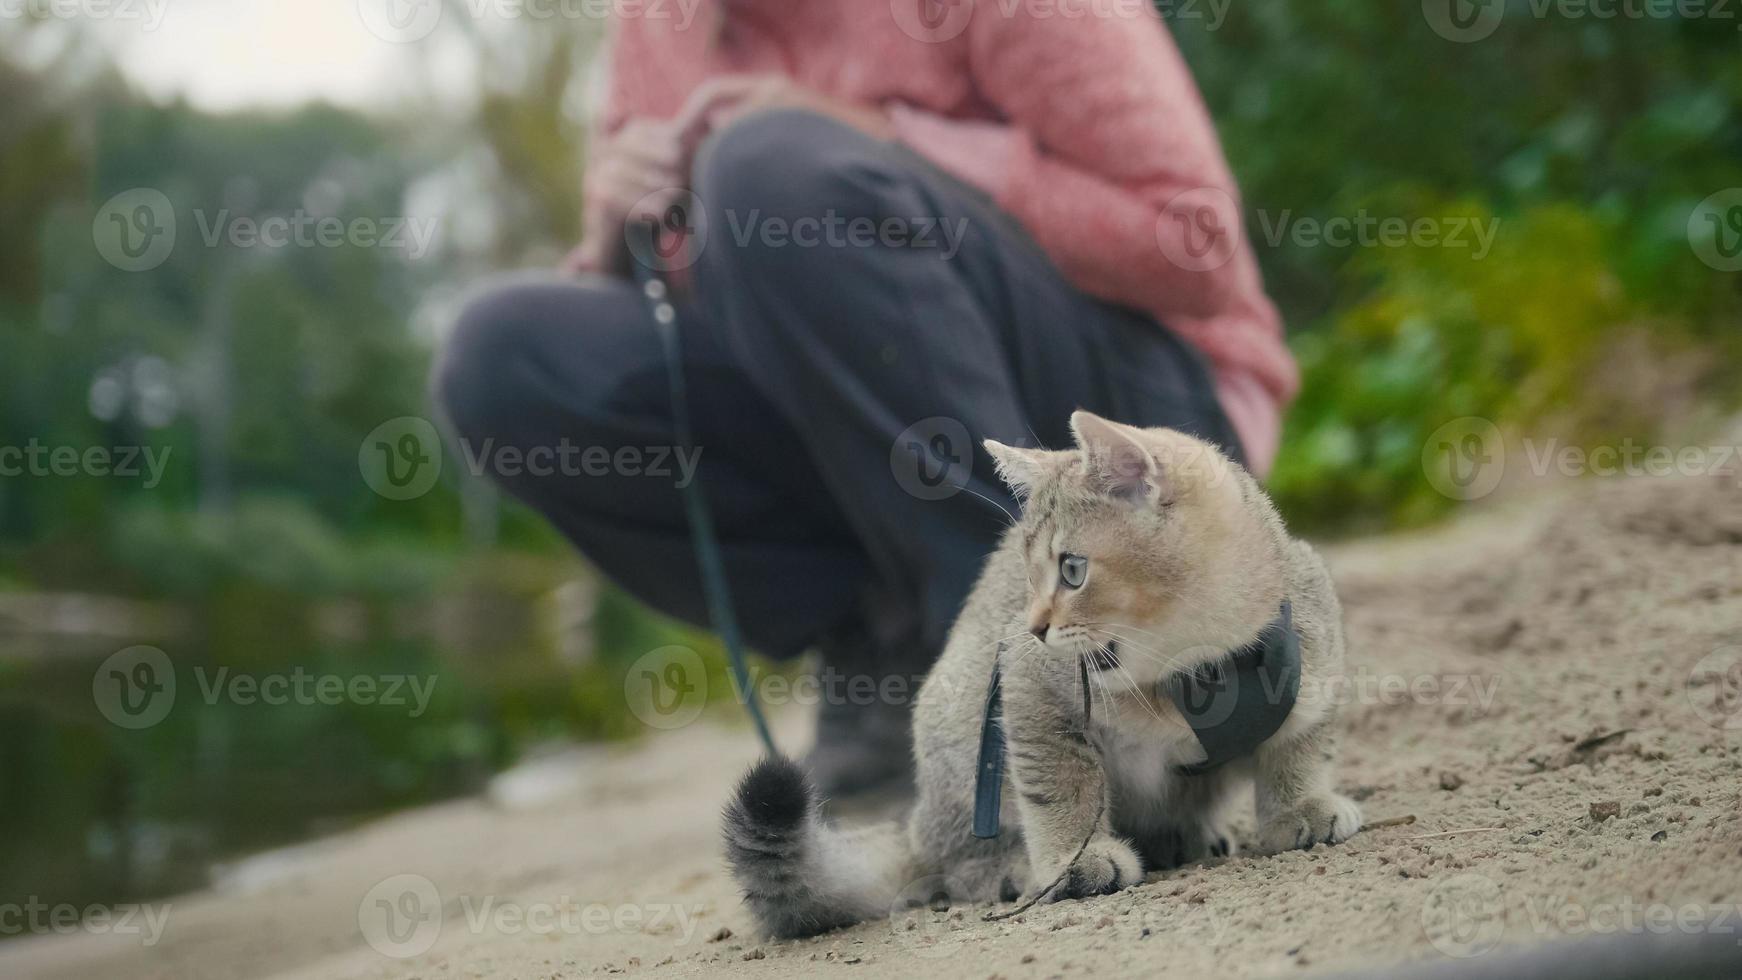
x=800, y=875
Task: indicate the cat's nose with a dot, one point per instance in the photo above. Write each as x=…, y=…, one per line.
x=1039, y=631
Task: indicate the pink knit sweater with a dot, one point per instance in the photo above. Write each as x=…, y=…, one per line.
x=1079, y=117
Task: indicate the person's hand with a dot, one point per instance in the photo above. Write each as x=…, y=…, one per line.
x=719, y=102
x=644, y=163
x=647, y=162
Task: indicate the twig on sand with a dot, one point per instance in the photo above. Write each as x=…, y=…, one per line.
x=1454, y=833
x=1402, y=821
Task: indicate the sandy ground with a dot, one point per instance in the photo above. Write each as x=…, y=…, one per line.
x=1533, y=685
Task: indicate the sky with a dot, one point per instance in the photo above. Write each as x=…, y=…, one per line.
x=231, y=54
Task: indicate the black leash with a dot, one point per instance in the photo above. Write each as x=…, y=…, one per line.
x=701, y=521
x=986, y=801
x=989, y=775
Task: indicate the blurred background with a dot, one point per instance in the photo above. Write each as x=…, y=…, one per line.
x=238, y=381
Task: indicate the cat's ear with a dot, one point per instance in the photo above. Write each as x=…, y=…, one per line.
x=1018, y=468
x=1119, y=465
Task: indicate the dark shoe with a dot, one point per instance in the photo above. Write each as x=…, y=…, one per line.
x=862, y=749
x=864, y=741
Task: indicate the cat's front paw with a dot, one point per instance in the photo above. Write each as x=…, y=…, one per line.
x=1107, y=865
x=1328, y=819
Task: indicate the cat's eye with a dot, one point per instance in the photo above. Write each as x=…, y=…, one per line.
x=1073, y=569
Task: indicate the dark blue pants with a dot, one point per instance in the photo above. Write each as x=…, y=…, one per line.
x=840, y=384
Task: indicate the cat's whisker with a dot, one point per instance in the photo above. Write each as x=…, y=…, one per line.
x=1136, y=688
x=1034, y=645
x=1155, y=656
x=1128, y=626
x=1012, y=518
x=1136, y=643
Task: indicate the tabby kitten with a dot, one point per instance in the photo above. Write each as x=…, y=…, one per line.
x=1143, y=556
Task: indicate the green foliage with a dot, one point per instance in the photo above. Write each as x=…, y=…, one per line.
x=1589, y=142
